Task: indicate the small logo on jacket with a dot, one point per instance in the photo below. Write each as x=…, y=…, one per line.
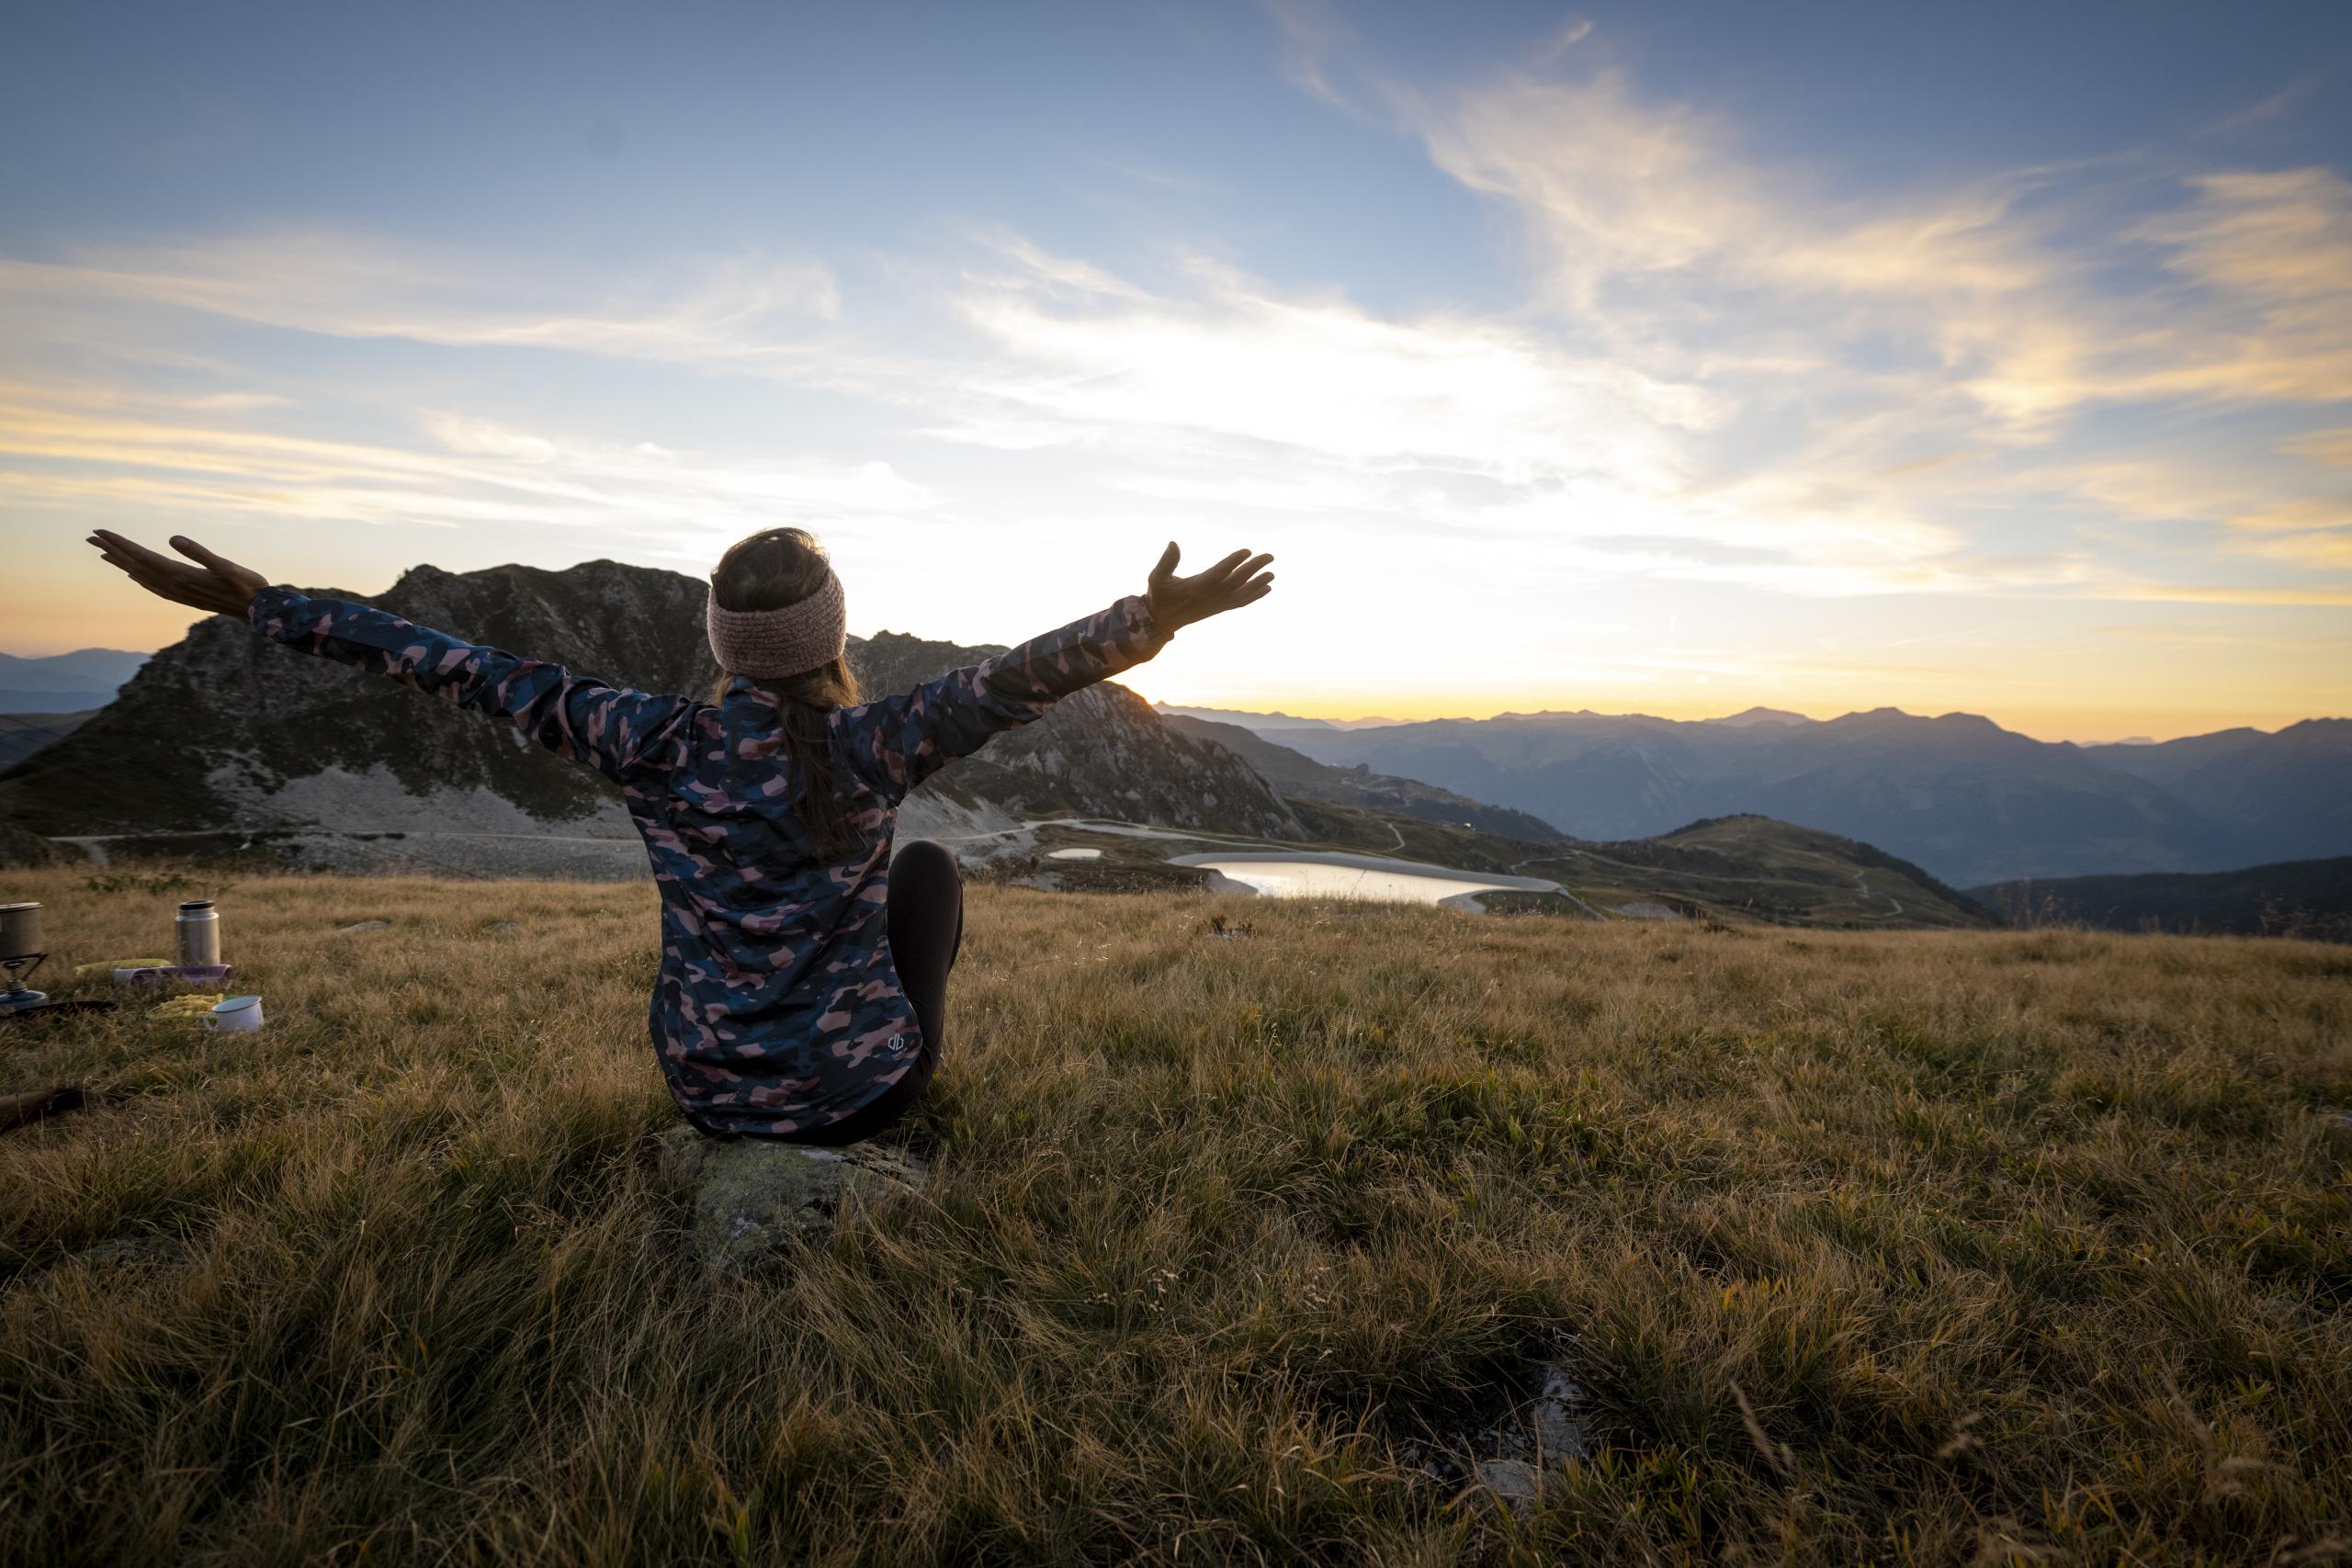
x=897, y=1044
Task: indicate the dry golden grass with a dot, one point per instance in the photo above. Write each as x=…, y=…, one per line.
x=1885, y=1248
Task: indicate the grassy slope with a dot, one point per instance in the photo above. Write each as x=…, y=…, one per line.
x=1755, y=868
x=1738, y=869
x=2037, y=1239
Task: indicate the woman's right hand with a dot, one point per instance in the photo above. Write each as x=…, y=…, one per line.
x=1239, y=579
x=216, y=583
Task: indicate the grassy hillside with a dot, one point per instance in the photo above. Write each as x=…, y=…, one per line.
x=1753, y=868
x=2302, y=899
x=1736, y=869
x=1878, y=1247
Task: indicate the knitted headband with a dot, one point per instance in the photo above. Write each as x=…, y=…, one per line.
x=770, y=644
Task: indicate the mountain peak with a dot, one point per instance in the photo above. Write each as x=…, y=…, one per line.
x=1748, y=718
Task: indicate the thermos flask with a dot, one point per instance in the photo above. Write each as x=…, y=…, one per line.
x=200, y=933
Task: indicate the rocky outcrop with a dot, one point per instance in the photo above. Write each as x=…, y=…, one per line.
x=226, y=736
x=756, y=1200
x=224, y=730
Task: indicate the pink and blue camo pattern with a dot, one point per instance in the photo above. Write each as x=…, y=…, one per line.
x=777, y=1009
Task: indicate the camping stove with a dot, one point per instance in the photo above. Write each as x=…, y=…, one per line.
x=20, y=954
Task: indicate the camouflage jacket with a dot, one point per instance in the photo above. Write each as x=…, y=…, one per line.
x=778, y=1008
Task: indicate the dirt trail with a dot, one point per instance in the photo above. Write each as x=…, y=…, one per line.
x=1870, y=892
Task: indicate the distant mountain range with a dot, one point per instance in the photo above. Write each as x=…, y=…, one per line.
x=64, y=682
x=1297, y=775
x=1970, y=801
x=1262, y=721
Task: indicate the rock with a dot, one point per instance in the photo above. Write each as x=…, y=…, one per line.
x=1516, y=1481
x=1558, y=1420
x=1523, y=1439
x=364, y=926
x=755, y=1199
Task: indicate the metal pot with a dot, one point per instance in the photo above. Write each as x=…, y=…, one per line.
x=20, y=930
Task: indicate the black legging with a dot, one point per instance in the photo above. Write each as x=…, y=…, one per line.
x=926, y=933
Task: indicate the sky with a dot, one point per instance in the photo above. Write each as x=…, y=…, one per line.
x=1658, y=357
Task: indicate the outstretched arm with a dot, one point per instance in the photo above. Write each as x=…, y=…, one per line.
x=608, y=727
x=897, y=742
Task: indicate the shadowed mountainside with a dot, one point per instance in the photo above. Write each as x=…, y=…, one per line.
x=22, y=734
x=2309, y=898
x=2289, y=790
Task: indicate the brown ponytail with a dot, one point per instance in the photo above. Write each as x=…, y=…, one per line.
x=768, y=571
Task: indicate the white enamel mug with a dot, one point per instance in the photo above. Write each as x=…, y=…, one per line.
x=234, y=1015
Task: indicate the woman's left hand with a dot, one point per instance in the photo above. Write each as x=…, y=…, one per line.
x=215, y=584
x=1239, y=579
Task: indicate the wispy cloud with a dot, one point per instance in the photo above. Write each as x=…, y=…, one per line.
x=2333, y=447
x=2265, y=112
x=742, y=313
x=1649, y=207
x=1232, y=394
x=1988, y=316
x=1570, y=33
x=62, y=445
x=1233, y=358
x=1311, y=33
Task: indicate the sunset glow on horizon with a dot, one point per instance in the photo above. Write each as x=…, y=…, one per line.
x=1657, y=359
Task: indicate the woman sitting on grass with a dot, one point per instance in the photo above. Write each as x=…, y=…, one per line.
x=803, y=988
